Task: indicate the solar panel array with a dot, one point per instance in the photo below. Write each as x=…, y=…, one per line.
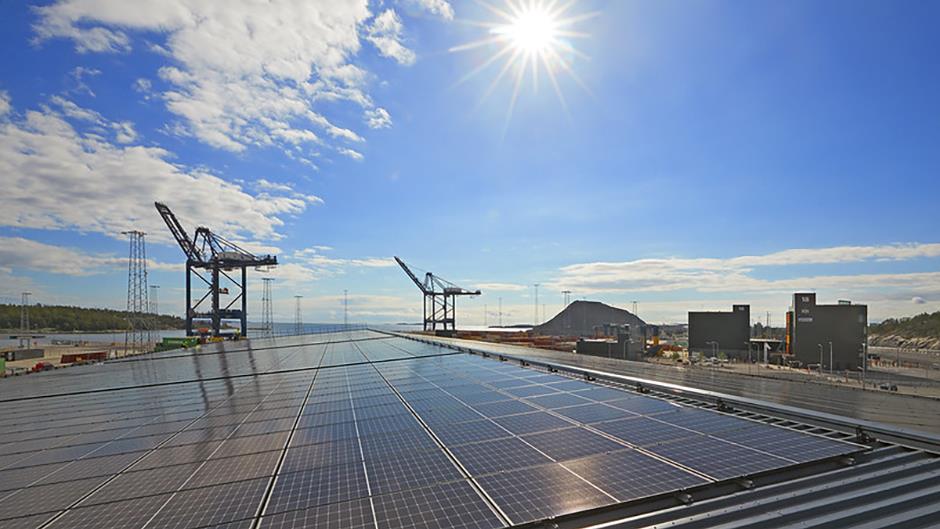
x=352, y=430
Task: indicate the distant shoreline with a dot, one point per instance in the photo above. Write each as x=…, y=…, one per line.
x=55, y=331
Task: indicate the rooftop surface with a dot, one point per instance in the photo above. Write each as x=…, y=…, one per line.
x=366, y=429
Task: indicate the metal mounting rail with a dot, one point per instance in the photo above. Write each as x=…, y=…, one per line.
x=860, y=427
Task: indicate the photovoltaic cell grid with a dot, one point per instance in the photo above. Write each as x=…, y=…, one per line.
x=353, y=429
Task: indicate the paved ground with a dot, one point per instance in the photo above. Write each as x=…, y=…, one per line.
x=908, y=411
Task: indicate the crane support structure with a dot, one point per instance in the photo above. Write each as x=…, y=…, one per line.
x=211, y=258
x=440, y=299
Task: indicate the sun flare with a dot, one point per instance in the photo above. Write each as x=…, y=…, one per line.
x=529, y=36
x=534, y=30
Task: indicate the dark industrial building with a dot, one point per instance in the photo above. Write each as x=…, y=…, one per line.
x=615, y=343
x=724, y=332
x=833, y=335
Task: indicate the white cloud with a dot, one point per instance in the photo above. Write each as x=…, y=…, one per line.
x=241, y=72
x=501, y=287
x=735, y=274
x=313, y=257
x=440, y=8
x=18, y=254
x=309, y=264
x=55, y=176
x=355, y=155
x=143, y=85
x=78, y=75
x=385, y=33
x=124, y=132
x=378, y=118
x=4, y=103
x=917, y=300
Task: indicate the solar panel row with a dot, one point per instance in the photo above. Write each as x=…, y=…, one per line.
x=400, y=436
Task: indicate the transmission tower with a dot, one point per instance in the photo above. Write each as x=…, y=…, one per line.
x=155, y=312
x=25, y=338
x=137, y=335
x=267, y=309
x=298, y=321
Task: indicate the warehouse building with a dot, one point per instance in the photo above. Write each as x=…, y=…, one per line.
x=831, y=335
x=722, y=332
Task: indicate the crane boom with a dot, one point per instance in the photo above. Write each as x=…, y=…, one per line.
x=189, y=248
x=411, y=275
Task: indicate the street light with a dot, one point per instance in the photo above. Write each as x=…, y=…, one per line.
x=748, y=344
x=714, y=345
x=820, y=358
x=830, y=358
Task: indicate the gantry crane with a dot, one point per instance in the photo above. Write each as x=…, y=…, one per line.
x=209, y=252
x=440, y=299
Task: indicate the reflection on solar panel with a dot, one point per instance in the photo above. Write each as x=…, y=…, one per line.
x=347, y=430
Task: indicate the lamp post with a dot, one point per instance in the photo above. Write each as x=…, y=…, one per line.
x=830, y=358
x=748, y=344
x=864, y=363
x=820, y=358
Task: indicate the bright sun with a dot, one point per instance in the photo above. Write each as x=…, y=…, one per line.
x=534, y=30
x=529, y=36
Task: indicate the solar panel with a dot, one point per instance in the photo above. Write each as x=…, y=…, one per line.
x=408, y=470
x=525, y=423
x=716, y=458
x=434, y=507
x=559, y=400
x=44, y=498
x=571, y=443
x=479, y=444
x=321, y=455
x=594, y=412
x=643, y=431
x=495, y=456
x=143, y=483
x=539, y=492
x=311, y=488
x=356, y=514
x=531, y=391
x=209, y=506
x=471, y=432
x=503, y=408
x=628, y=474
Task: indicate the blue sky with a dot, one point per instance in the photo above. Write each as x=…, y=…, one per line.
x=707, y=153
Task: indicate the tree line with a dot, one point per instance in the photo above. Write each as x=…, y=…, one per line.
x=921, y=326
x=56, y=318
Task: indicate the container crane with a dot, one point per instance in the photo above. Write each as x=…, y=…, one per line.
x=440, y=299
x=210, y=254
